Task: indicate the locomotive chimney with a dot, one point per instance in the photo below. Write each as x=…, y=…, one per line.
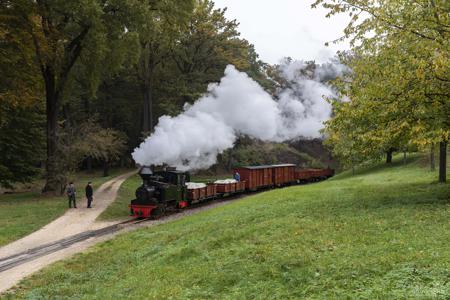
x=145, y=172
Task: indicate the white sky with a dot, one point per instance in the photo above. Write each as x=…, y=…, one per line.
x=280, y=28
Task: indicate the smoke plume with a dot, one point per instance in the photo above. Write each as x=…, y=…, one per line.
x=235, y=106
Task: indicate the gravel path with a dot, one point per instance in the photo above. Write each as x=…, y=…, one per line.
x=74, y=221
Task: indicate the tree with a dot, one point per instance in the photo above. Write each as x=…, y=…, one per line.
x=158, y=36
x=63, y=33
x=182, y=60
x=21, y=138
x=21, y=141
x=206, y=46
x=404, y=44
x=103, y=144
x=76, y=142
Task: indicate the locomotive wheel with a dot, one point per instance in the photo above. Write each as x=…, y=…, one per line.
x=159, y=211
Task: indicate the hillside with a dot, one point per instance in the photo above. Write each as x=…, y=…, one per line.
x=382, y=233
x=248, y=151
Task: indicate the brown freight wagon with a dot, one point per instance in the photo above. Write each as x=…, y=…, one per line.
x=211, y=190
x=256, y=177
x=240, y=186
x=313, y=174
x=283, y=174
x=328, y=172
x=224, y=188
x=202, y=193
x=193, y=194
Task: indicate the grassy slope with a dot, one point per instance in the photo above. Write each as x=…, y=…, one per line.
x=383, y=233
x=23, y=213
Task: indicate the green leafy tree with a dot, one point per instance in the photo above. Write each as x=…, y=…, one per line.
x=21, y=144
x=87, y=139
x=63, y=34
x=206, y=46
x=158, y=37
x=401, y=73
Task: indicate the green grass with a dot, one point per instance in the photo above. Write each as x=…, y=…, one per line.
x=119, y=208
x=25, y=212
x=381, y=234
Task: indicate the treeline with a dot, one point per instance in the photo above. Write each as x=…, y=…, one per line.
x=399, y=87
x=82, y=82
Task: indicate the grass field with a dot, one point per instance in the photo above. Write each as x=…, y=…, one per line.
x=25, y=212
x=381, y=234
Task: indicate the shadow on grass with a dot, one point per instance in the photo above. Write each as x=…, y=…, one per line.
x=420, y=196
x=376, y=166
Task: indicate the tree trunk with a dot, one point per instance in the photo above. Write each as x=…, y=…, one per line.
x=442, y=161
x=147, y=125
x=389, y=156
x=404, y=157
x=147, y=68
x=432, y=159
x=89, y=164
x=52, y=183
x=105, y=169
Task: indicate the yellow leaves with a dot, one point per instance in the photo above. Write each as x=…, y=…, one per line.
x=441, y=64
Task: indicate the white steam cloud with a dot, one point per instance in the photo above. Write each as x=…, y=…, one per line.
x=237, y=105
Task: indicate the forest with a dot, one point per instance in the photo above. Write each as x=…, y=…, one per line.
x=84, y=82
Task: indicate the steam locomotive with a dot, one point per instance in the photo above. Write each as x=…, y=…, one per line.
x=165, y=189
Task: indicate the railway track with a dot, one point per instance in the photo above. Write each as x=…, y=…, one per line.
x=12, y=261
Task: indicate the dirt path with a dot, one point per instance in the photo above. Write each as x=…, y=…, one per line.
x=72, y=222
x=81, y=222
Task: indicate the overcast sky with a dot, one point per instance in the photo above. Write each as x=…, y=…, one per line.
x=280, y=28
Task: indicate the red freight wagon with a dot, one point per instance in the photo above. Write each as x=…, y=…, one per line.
x=322, y=173
x=202, y=193
x=313, y=174
x=304, y=174
x=240, y=186
x=211, y=190
x=283, y=174
x=193, y=194
x=328, y=172
x=256, y=177
x=224, y=188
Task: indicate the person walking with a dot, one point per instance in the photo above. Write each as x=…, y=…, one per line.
x=71, y=192
x=89, y=193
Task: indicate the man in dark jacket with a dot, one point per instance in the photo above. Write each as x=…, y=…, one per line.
x=71, y=195
x=89, y=193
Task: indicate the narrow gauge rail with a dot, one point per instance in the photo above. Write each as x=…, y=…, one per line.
x=14, y=260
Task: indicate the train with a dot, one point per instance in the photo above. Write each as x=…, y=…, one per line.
x=171, y=189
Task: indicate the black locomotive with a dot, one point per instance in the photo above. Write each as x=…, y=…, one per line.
x=159, y=190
